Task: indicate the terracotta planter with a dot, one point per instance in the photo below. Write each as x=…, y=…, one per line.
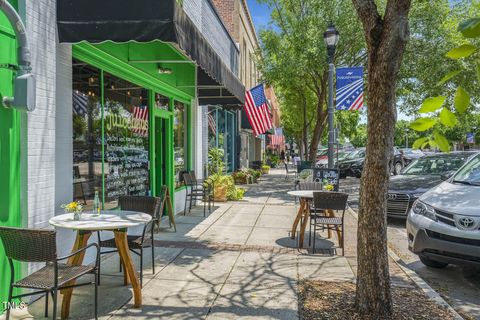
x=241, y=180
x=220, y=193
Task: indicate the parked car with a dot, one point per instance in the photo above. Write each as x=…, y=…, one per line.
x=352, y=165
x=403, y=157
x=322, y=161
x=443, y=225
x=420, y=176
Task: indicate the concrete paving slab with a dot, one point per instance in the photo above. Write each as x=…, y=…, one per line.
x=254, y=269
x=275, y=221
x=266, y=302
x=169, y=299
x=200, y=265
x=185, y=232
x=226, y=234
x=232, y=218
x=281, y=210
x=163, y=256
x=316, y=267
x=247, y=208
x=112, y=296
x=272, y=237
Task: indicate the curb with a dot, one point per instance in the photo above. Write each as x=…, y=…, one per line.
x=419, y=282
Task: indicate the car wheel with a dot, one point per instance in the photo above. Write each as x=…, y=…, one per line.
x=432, y=263
x=398, y=168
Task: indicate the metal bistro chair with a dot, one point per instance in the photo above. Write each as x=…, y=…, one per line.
x=206, y=186
x=136, y=243
x=30, y=245
x=313, y=212
x=193, y=193
x=329, y=200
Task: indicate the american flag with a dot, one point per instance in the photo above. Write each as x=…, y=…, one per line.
x=80, y=103
x=140, y=113
x=277, y=139
x=256, y=108
x=212, y=124
x=349, y=88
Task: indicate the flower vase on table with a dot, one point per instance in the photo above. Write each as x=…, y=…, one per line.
x=73, y=207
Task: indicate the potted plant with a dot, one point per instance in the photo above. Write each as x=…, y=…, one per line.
x=265, y=169
x=240, y=177
x=73, y=207
x=224, y=188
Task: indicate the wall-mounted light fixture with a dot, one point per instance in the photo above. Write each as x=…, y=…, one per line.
x=162, y=70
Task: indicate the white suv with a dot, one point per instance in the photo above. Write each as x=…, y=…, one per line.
x=444, y=223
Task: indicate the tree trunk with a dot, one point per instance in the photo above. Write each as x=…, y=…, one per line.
x=322, y=113
x=386, y=39
x=305, y=129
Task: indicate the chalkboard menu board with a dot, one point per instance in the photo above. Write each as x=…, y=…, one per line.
x=126, y=152
x=327, y=176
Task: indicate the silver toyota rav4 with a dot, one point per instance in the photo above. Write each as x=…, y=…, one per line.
x=444, y=223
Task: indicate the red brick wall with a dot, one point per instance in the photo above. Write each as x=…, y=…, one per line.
x=226, y=10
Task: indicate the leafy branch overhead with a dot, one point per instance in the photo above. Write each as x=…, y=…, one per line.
x=445, y=110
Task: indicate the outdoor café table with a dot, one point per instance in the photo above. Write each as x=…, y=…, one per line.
x=117, y=221
x=303, y=214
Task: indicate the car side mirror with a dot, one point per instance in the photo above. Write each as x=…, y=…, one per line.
x=447, y=175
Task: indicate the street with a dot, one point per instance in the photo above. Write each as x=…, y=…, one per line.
x=460, y=287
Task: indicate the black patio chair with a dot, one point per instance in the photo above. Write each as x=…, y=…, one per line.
x=30, y=245
x=313, y=211
x=136, y=243
x=287, y=170
x=193, y=193
x=330, y=200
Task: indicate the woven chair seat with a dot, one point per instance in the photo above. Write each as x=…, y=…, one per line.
x=134, y=242
x=44, y=278
x=329, y=220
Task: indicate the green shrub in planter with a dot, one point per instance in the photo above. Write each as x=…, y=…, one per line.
x=265, y=169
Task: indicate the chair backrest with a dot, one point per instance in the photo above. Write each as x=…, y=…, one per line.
x=29, y=245
x=188, y=179
x=310, y=186
x=286, y=166
x=145, y=204
x=193, y=176
x=330, y=200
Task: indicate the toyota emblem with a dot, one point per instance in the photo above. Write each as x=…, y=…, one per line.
x=466, y=223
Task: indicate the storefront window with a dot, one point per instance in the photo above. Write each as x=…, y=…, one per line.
x=126, y=137
x=87, y=126
x=161, y=102
x=180, y=141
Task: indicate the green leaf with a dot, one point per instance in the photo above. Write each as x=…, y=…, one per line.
x=448, y=118
x=465, y=50
x=423, y=124
x=441, y=141
x=461, y=100
x=432, y=104
x=470, y=28
x=419, y=142
x=426, y=143
x=448, y=76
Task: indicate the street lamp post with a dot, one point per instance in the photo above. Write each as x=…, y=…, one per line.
x=406, y=138
x=331, y=37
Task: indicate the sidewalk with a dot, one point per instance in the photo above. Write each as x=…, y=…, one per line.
x=238, y=262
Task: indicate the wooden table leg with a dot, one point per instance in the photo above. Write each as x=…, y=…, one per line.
x=122, y=246
x=297, y=218
x=80, y=242
x=329, y=213
x=306, y=217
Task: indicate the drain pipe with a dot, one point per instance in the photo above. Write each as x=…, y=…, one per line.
x=24, y=84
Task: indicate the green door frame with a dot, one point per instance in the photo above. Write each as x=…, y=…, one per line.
x=11, y=156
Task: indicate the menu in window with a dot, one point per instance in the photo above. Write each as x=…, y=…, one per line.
x=126, y=155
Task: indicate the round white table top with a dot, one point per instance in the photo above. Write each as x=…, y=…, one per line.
x=308, y=194
x=106, y=220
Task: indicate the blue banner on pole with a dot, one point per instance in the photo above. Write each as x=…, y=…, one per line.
x=470, y=138
x=349, y=95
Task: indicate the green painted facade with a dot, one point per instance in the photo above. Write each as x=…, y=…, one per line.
x=129, y=62
x=10, y=150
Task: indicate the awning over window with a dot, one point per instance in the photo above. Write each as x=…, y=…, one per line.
x=149, y=20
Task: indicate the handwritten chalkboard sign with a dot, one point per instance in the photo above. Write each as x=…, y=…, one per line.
x=126, y=153
x=327, y=176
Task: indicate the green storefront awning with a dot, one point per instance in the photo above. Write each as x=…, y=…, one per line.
x=145, y=21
